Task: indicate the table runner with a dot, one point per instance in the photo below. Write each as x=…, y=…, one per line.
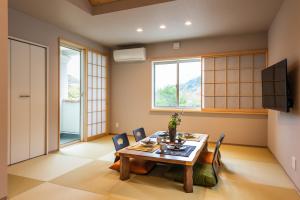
x=139, y=147
x=184, y=153
x=197, y=137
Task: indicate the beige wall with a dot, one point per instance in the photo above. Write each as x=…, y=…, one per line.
x=34, y=30
x=3, y=97
x=131, y=94
x=283, y=128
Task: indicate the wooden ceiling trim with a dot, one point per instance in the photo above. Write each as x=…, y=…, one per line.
x=118, y=5
x=100, y=2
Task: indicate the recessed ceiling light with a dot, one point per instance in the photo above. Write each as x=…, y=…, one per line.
x=188, y=23
x=139, y=30
x=162, y=26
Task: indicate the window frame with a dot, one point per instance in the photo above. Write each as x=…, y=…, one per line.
x=177, y=62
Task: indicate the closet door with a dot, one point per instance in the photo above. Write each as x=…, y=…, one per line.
x=38, y=101
x=20, y=101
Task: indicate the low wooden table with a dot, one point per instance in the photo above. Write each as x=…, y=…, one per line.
x=188, y=162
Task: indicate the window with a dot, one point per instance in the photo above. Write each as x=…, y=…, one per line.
x=96, y=98
x=216, y=83
x=177, y=84
x=233, y=82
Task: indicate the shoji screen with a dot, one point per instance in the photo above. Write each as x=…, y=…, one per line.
x=96, y=98
x=233, y=82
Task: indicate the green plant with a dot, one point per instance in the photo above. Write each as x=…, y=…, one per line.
x=175, y=121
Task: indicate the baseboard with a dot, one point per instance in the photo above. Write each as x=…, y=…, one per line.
x=95, y=137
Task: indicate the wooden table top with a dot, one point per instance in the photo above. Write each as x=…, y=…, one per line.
x=168, y=158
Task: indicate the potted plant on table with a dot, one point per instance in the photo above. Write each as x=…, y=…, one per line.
x=173, y=123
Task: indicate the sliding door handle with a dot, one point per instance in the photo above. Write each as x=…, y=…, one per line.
x=24, y=96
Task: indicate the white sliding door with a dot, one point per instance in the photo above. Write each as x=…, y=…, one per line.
x=38, y=101
x=20, y=101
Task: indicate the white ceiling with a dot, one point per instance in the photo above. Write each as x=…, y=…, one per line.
x=209, y=18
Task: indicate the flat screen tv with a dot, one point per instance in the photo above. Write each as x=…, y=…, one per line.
x=275, y=87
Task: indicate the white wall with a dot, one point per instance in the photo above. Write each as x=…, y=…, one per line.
x=284, y=128
x=131, y=94
x=26, y=27
x=3, y=98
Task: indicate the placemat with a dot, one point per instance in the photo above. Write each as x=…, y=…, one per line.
x=139, y=147
x=196, y=136
x=184, y=153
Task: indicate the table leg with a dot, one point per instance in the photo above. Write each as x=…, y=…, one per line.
x=124, y=168
x=188, y=179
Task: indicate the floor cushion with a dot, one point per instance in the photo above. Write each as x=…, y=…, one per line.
x=136, y=166
x=206, y=157
x=203, y=174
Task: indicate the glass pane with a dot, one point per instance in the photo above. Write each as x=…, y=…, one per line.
x=94, y=106
x=165, y=84
x=90, y=118
x=220, y=63
x=103, y=105
x=94, y=82
x=103, y=116
x=89, y=130
x=98, y=105
x=99, y=94
x=209, y=102
x=246, y=61
x=99, y=60
x=89, y=106
x=95, y=70
x=209, y=90
x=103, y=83
x=90, y=80
x=103, y=72
x=99, y=72
x=233, y=102
x=190, y=84
x=94, y=58
x=90, y=94
x=103, y=61
x=89, y=57
x=99, y=117
x=94, y=94
x=99, y=128
x=90, y=70
x=94, y=117
x=233, y=62
x=99, y=83
x=220, y=102
x=209, y=64
x=103, y=127
x=103, y=94
x=94, y=129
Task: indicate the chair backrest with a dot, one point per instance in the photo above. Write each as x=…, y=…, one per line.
x=120, y=141
x=139, y=134
x=216, y=155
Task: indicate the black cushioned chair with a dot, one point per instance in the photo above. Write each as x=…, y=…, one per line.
x=136, y=166
x=139, y=134
x=120, y=141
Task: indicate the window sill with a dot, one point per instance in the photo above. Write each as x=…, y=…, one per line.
x=216, y=111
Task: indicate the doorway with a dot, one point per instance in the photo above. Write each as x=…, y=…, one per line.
x=71, y=90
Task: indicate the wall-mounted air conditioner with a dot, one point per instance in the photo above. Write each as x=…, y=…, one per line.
x=130, y=55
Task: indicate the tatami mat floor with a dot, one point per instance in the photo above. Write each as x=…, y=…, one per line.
x=80, y=172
